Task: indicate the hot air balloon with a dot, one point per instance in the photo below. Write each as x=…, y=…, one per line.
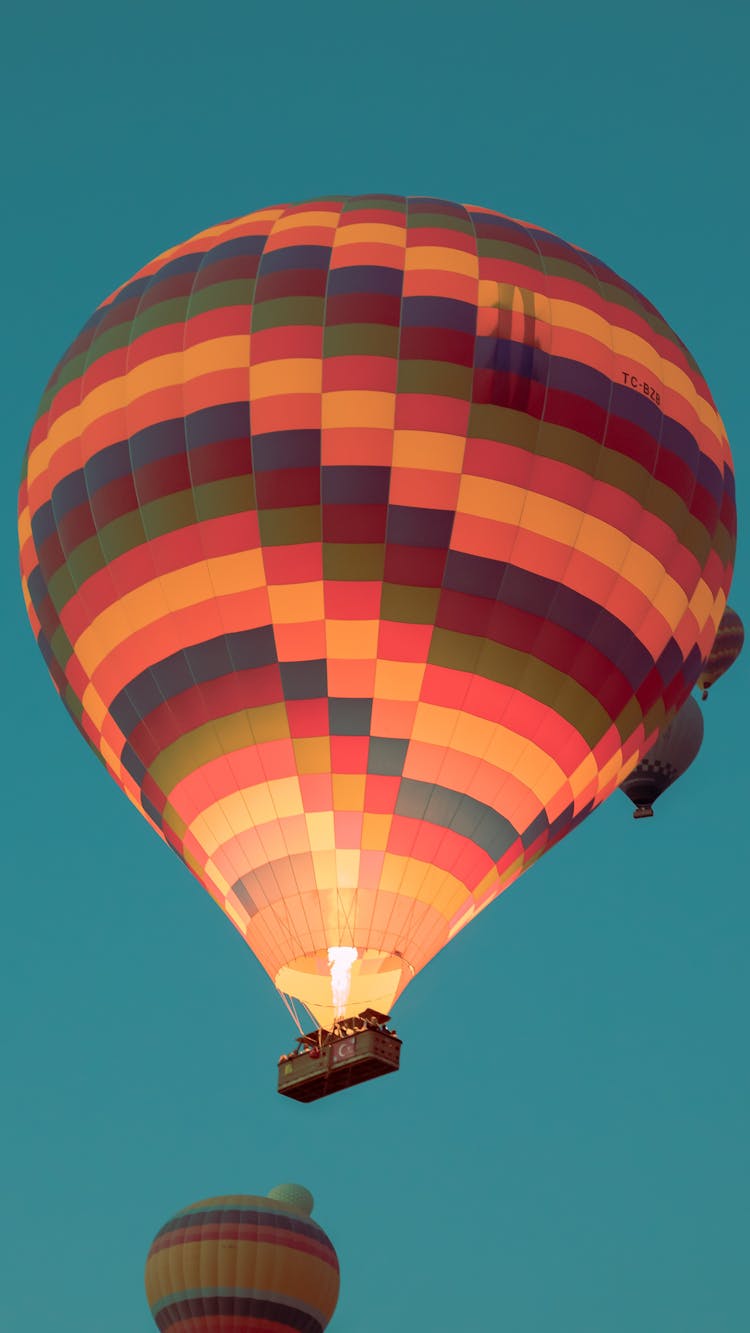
x=666, y=761
x=370, y=542
x=244, y=1264
x=725, y=651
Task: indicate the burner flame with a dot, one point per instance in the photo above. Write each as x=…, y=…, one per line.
x=341, y=959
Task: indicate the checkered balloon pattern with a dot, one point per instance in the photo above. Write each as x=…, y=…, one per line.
x=370, y=542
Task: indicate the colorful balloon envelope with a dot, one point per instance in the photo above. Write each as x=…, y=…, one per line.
x=667, y=760
x=370, y=542
x=243, y=1264
x=725, y=650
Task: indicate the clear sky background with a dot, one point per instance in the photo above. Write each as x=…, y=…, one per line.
x=566, y=1147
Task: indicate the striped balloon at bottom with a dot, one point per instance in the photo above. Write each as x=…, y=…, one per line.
x=243, y=1264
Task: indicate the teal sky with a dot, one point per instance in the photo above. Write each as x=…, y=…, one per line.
x=566, y=1147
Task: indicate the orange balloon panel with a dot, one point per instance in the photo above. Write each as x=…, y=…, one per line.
x=370, y=542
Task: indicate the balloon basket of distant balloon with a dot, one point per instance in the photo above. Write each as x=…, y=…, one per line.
x=355, y=1051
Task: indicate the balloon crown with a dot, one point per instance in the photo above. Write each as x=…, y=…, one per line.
x=294, y=1196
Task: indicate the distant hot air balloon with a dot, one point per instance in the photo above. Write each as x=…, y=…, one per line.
x=666, y=761
x=726, y=649
x=368, y=541
x=243, y=1264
